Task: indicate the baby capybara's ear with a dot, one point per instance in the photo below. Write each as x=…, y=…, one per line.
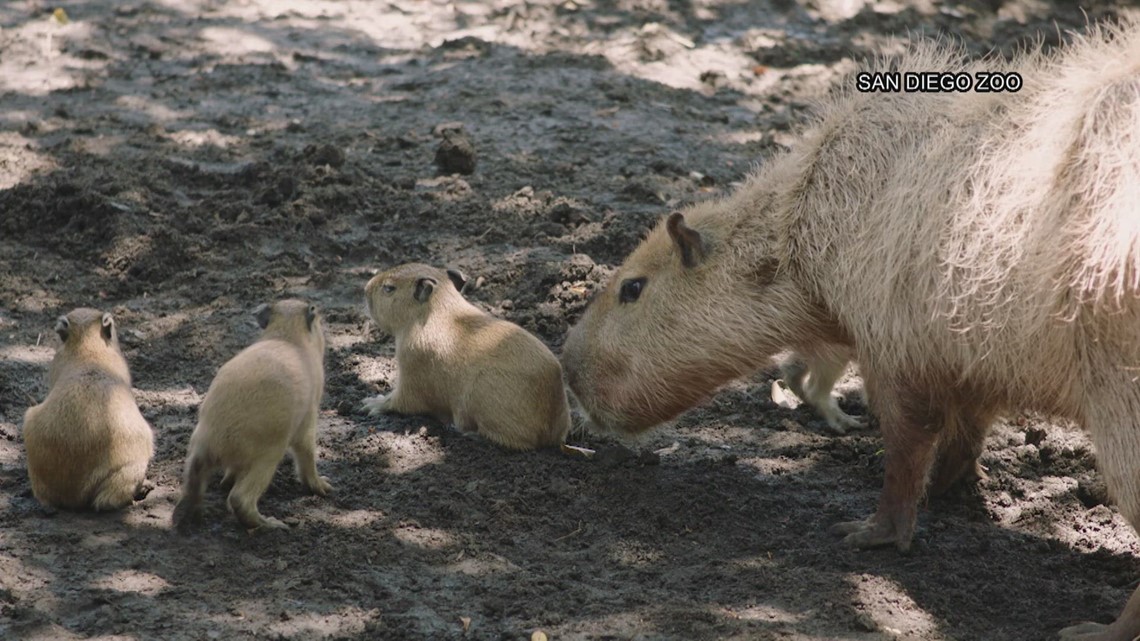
x=262, y=314
x=687, y=239
x=63, y=328
x=458, y=278
x=424, y=288
x=108, y=329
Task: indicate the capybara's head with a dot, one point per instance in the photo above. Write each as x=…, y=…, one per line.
x=87, y=334
x=86, y=324
x=404, y=295
x=690, y=309
x=293, y=320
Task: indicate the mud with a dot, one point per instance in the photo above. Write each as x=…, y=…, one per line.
x=180, y=162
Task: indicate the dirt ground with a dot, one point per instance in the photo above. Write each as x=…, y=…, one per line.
x=178, y=162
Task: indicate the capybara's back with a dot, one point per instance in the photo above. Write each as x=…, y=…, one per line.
x=88, y=446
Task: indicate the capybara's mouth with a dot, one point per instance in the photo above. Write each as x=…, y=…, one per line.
x=598, y=419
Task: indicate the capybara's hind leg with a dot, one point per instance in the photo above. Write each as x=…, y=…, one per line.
x=305, y=459
x=249, y=485
x=194, y=479
x=119, y=488
x=908, y=437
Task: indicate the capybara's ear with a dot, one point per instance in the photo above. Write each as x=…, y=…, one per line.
x=688, y=240
x=63, y=328
x=458, y=278
x=310, y=316
x=262, y=314
x=424, y=288
x=108, y=329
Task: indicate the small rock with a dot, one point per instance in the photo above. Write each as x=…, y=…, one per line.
x=615, y=456
x=865, y=622
x=456, y=153
x=649, y=457
x=1034, y=436
x=325, y=154
x=1092, y=492
x=551, y=229
x=566, y=213
x=1101, y=514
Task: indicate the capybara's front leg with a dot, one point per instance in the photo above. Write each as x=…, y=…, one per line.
x=398, y=401
x=376, y=405
x=305, y=458
x=909, y=436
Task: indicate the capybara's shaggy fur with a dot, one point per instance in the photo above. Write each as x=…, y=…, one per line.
x=976, y=252
x=262, y=402
x=88, y=446
x=459, y=364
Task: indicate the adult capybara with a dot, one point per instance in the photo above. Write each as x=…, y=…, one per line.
x=88, y=446
x=263, y=402
x=976, y=253
x=460, y=364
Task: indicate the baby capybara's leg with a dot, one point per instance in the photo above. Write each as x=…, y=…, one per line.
x=119, y=488
x=909, y=437
x=305, y=458
x=249, y=485
x=812, y=379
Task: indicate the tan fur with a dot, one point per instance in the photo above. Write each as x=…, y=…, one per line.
x=88, y=446
x=262, y=402
x=977, y=253
x=459, y=364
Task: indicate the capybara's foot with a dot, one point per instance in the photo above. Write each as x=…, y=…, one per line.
x=376, y=405
x=321, y=486
x=839, y=421
x=143, y=490
x=267, y=524
x=185, y=515
x=875, y=532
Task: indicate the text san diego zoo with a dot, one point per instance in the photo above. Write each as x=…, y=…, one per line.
x=938, y=81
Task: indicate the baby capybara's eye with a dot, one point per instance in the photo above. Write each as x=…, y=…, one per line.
x=631, y=289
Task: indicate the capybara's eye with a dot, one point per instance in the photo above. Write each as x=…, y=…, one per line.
x=388, y=289
x=631, y=289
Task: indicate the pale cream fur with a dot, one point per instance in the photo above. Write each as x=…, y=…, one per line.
x=88, y=446
x=263, y=402
x=977, y=253
x=813, y=379
x=462, y=365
